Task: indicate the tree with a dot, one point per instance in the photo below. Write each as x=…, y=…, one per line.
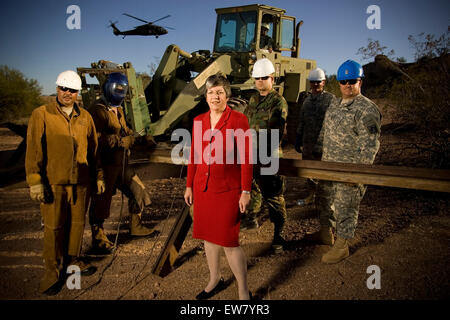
x=427, y=46
x=332, y=85
x=373, y=49
x=18, y=95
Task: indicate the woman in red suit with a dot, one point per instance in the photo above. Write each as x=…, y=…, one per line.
x=218, y=185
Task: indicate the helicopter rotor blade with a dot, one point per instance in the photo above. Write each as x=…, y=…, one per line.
x=129, y=15
x=170, y=28
x=161, y=18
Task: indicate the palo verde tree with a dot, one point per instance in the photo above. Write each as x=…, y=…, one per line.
x=373, y=49
x=18, y=95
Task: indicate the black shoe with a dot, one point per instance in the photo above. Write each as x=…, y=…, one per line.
x=54, y=289
x=206, y=295
x=89, y=271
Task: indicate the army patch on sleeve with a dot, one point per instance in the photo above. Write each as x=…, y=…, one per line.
x=372, y=124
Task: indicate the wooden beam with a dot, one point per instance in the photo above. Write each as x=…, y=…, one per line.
x=166, y=259
x=387, y=176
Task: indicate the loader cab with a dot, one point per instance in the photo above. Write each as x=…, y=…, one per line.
x=239, y=29
x=235, y=32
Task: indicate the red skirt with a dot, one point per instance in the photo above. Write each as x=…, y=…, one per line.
x=217, y=217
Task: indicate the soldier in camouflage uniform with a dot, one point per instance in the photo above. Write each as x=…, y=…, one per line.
x=350, y=134
x=267, y=110
x=310, y=122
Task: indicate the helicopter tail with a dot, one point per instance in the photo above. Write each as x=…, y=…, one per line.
x=116, y=31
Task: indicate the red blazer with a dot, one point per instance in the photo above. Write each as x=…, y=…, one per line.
x=204, y=169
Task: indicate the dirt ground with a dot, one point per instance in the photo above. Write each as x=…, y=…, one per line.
x=405, y=233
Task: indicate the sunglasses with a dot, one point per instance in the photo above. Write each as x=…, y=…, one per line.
x=315, y=82
x=262, y=78
x=68, y=89
x=351, y=81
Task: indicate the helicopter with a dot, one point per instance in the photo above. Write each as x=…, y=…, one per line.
x=147, y=29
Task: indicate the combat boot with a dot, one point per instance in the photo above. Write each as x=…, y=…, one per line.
x=278, y=242
x=323, y=236
x=136, y=227
x=338, y=252
x=100, y=241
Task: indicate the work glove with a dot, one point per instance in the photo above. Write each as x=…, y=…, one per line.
x=100, y=186
x=126, y=142
x=112, y=140
x=37, y=193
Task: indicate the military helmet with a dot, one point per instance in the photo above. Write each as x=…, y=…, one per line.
x=350, y=70
x=69, y=79
x=262, y=68
x=316, y=75
x=115, y=88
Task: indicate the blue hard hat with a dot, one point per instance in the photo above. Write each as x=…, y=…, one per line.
x=350, y=70
x=115, y=88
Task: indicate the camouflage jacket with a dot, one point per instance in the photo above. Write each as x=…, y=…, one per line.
x=266, y=42
x=267, y=112
x=351, y=131
x=311, y=118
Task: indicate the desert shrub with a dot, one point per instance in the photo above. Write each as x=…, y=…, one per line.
x=424, y=101
x=18, y=95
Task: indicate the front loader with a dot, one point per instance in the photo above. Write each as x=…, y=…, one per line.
x=175, y=94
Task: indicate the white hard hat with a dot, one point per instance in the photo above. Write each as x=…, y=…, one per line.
x=316, y=75
x=265, y=25
x=262, y=68
x=69, y=79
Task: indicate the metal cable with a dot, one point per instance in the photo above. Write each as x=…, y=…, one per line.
x=113, y=257
x=136, y=282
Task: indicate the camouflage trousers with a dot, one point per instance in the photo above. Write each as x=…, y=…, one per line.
x=271, y=189
x=338, y=205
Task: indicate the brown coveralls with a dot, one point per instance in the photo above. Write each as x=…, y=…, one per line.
x=61, y=155
x=111, y=128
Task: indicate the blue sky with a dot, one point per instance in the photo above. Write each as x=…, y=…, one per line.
x=36, y=41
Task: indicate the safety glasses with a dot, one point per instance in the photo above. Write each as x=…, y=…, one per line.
x=262, y=78
x=351, y=81
x=67, y=89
